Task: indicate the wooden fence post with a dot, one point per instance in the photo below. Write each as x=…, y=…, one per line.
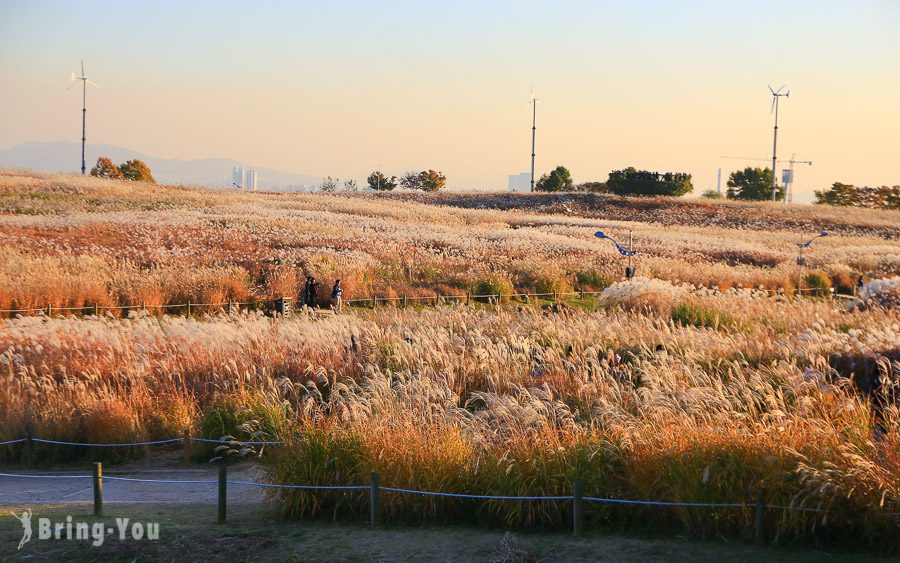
x=760, y=531
x=577, y=508
x=223, y=490
x=374, y=301
x=189, y=308
x=28, y=449
x=186, y=443
x=98, y=488
x=96, y=310
x=468, y=298
x=49, y=310
x=374, y=501
x=143, y=305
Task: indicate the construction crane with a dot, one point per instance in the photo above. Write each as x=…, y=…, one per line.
x=787, y=177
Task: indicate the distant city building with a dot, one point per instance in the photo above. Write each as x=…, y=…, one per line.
x=250, y=180
x=237, y=177
x=520, y=182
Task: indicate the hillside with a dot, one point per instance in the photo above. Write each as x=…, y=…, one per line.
x=213, y=245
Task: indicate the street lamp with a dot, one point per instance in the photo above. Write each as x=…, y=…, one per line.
x=629, y=252
x=801, y=261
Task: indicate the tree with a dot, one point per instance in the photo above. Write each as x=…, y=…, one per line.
x=329, y=184
x=848, y=195
x=105, y=168
x=752, y=184
x=136, y=171
x=642, y=182
x=350, y=185
x=381, y=183
x=711, y=194
x=559, y=180
x=411, y=181
x=431, y=180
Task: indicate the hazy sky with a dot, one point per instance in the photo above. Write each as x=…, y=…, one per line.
x=340, y=88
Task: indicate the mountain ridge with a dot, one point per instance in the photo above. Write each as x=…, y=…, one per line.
x=65, y=156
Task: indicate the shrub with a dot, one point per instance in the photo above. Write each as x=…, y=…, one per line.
x=642, y=182
x=819, y=283
x=552, y=284
x=712, y=194
x=494, y=285
x=592, y=279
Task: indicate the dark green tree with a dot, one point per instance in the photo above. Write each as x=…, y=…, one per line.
x=753, y=184
x=381, y=183
x=411, y=181
x=136, y=171
x=642, y=182
x=559, y=180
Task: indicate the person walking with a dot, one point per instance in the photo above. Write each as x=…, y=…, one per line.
x=304, y=297
x=337, y=294
x=859, y=284
x=313, y=293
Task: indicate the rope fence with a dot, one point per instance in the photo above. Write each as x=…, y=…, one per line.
x=282, y=306
x=375, y=489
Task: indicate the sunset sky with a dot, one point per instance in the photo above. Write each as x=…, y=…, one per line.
x=341, y=88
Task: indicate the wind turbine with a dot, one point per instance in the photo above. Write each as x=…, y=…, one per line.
x=84, y=82
x=533, y=132
x=776, y=96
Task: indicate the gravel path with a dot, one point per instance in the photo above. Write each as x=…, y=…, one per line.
x=47, y=489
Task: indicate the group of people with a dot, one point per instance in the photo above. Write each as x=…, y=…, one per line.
x=310, y=295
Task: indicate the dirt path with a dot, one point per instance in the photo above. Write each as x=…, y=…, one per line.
x=55, y=487
x=188, y=533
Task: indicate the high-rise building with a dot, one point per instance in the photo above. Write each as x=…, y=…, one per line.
x=250, y=180
x=237, y=177
x=520, y=182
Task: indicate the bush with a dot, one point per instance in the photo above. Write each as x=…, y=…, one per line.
x=642, y=182
x=552, y=284
x=712, y=194
x=819, y=283
x=494, y=285
x=592, y=279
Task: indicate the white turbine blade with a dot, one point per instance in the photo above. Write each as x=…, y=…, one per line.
x=72, y=85
x=780, y=89
x=92, y=83
x=82, y=68
x=73, y=78
x=774, y=100
x=770, y=89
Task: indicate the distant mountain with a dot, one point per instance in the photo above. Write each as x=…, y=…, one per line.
x=65, y=156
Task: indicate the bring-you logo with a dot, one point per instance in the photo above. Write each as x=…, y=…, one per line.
x=74, y=530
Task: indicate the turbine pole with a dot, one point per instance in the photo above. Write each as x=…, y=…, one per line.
x=83, y=119
x=533, y=133
x=775, y=148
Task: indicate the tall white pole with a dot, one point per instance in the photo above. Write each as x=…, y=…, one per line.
x=775, y=148
x=533, y=133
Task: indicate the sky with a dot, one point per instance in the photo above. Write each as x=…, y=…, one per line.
x=342, y=88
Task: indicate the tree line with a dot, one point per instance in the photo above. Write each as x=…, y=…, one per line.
x=134, y=170
x=426, y=181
